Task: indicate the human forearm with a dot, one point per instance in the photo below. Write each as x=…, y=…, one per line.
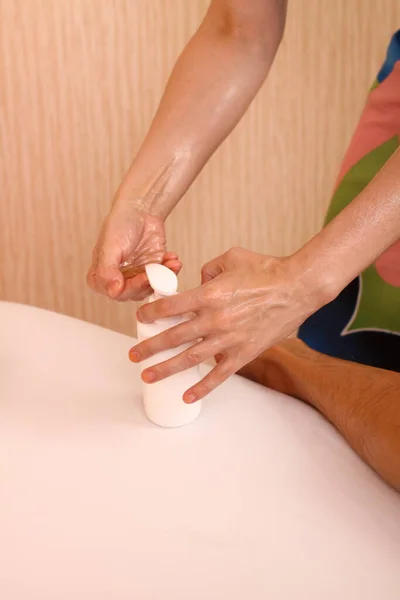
x=362, y=402
x=210, y=88
x=356, y=237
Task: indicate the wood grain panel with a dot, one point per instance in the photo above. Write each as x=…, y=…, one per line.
x=79, y=83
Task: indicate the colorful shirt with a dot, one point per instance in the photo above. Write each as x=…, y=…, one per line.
x=363, y=323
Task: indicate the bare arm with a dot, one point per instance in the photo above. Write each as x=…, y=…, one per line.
x=249, y=302
x=358, y=235
x=211, y=86
x=362, y=402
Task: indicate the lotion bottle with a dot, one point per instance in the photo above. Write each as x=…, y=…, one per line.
x=163, y=400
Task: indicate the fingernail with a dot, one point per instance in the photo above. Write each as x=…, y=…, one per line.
x=139, y=318
x=190, y=398
x=114, y=287
x=134, y=356
x=148, y=376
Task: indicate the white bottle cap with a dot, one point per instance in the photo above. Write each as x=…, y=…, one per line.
x=163, y=281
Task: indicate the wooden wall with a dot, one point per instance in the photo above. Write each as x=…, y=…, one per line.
x=79, y=83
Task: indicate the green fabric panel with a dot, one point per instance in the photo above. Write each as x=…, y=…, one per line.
x=374, y=85
x=379, y=304
x=359, y=176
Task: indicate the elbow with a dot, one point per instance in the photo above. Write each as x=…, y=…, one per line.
x=257, y=26
x=265, y=33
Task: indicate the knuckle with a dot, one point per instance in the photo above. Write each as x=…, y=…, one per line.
x=148, y=348
x=202, y=389
x=90, y=278
x=214, y=379
x=146, y=313
x=161, y=372
x=174, y=337
x=225, y=371
x=164, y=306
x=204, y=274
x=208, y=295
x=208, y=385
x=234, y=252
x=211, y=297
x=205, y=271
x=168, y=368
x=214, y=322
x=101, y=279
x=142, y=351
x=193, y=358
x=226, y=321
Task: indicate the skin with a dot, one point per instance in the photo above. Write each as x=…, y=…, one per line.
x=361, y=402
x=248, y=302
x=230, y=55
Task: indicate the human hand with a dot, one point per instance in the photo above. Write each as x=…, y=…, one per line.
x=133, y=237
x=247, y=303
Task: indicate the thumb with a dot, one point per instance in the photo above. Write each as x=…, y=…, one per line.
x=212, y=269
x=108, y=275
x=115, y=282
x=110, y=280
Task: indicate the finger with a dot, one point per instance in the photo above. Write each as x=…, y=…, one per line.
x=108, y=277
x=190, y=301
x=108, y=281
x=91, y=278
x=256, y=370
x=171, y=338
x=218, y=375
x=131, y=270
x=212, y=269
x=135, y=289
x=187, y=359
x=170, y=256
x=91, y=273
x=174, y=265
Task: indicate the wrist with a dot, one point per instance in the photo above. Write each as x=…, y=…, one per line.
x=279, y=368
x=292, y=365
x=135, y=199
x=144, y=196
x=155, y=183
x=320, y=278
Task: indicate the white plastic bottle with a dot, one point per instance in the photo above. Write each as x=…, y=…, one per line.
x=163, y=400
